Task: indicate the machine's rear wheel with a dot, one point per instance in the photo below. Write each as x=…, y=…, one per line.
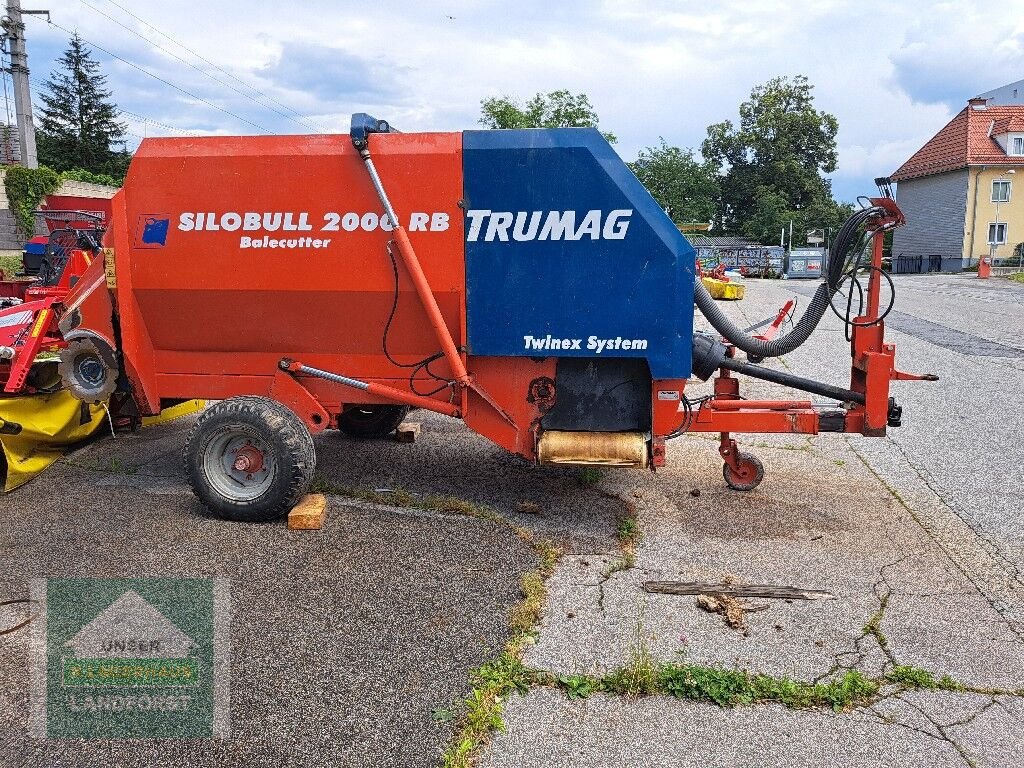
x=372, y=420
x=749, y=476
x=249, y=459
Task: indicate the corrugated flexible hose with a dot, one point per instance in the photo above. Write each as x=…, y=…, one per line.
x=845, y=250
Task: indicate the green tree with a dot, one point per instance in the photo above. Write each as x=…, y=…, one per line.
x=558, y=109
x=685, y=187
x=78, y=125
x=768, y=217
x=781, y=146
x=771, y=215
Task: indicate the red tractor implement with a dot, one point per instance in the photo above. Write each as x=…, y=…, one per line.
x=522, y=281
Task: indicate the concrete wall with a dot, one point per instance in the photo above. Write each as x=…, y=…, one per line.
x=935, y=207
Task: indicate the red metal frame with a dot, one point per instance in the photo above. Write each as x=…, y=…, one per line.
x=873, y=367
x=38, y=333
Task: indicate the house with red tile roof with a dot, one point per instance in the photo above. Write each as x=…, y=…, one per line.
x=957, y=191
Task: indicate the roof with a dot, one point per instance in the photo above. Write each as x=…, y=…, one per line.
x=966, y=140
x=1014, y=123
x=721, y=242
x=1011, y=93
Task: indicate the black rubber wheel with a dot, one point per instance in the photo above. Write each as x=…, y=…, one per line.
x=749, y=476
x=249, y=459
x=372, y=420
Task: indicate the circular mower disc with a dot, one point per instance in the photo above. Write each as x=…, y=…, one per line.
x=88, y=368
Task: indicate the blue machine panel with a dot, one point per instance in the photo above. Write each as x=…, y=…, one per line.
x=567, y=255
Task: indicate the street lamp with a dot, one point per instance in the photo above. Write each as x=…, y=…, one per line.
x=995, y=235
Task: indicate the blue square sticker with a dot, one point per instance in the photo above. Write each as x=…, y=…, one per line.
x=151, y=231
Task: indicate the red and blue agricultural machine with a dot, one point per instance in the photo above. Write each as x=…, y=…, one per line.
x=523, y=281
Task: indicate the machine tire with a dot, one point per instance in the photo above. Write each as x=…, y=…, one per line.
x=372, y=421
x=269, y=430
x=752, y=472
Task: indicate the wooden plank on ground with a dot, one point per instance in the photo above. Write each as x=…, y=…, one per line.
x=407, y=432
x=735, y=590
x=308, y=514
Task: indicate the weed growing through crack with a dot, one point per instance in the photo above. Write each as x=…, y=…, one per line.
x=874, y=625
x=589, y=476
x=525, y=614
x=923, y=680
x=721, y=686
x=114, y=466
x=578, y=686
x=629, y=534
x=399, y=497
x=628, y=530
x=639, y=676
x=491, y=683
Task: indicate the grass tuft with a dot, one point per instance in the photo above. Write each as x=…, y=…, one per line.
x=639, y=676
x=524, y=615
x=921, y=679
x=589, y=476
x=874, y=625
x=399, y=497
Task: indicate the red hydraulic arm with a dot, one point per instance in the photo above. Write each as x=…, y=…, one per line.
x=867, y=407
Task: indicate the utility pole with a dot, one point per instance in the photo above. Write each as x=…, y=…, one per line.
x=14, y=28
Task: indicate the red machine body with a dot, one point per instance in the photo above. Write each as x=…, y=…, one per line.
x=267, y=266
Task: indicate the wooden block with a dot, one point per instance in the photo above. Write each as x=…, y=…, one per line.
x=407, y=432
x=308, y=514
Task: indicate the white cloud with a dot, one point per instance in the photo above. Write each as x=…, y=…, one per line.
x=653, y=68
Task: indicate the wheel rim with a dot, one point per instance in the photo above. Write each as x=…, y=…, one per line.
x=744, y=474
x=239, y=466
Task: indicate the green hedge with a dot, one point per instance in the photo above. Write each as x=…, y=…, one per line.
x=79, y=174
x=26, y=188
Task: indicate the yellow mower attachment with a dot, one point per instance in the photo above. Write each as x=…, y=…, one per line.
x=722, y=290
x=36, y=430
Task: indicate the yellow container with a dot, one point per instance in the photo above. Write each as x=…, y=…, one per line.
x=723, y=291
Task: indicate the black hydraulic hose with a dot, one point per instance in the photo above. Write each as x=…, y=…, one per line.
x=759, y=347
x=789, y=380
x=846, y=247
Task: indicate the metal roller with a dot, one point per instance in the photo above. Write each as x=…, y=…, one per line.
x=611, y=449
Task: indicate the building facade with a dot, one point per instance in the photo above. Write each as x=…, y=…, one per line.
x=960, y=191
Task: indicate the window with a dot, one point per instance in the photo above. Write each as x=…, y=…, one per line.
x=996, y=234
x=1000, y=191
x=1017, y=148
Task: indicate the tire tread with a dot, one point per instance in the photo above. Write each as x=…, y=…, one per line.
x=298, y=461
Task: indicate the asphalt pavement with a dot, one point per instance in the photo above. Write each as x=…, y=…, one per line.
x=353, y=645
x=920, y=530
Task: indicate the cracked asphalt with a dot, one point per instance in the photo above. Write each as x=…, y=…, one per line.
x=347, y=643
x=925, y=522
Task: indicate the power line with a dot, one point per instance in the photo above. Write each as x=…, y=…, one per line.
x=151, y=121
x=201, y=71
x=39, y=84
x=157, y=77
x=219, y=68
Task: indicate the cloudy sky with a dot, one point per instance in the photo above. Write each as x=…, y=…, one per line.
x=893, y=73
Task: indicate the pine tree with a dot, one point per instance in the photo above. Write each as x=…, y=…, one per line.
x=78, y=126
